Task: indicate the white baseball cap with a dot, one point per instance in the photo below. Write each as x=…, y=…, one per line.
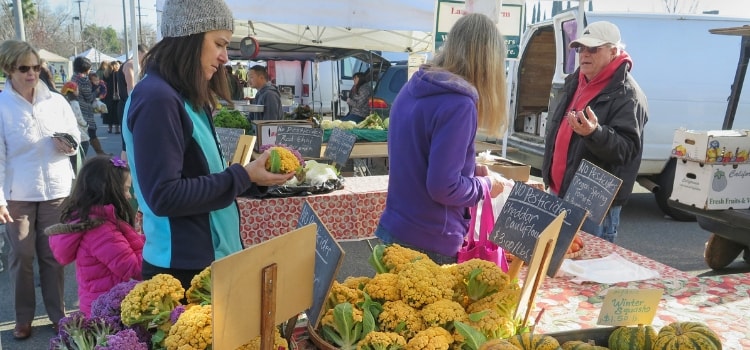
x=597, y=34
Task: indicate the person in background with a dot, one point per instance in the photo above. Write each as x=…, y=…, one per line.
x=434, y=179
x=97, y=230
x=186, y=192
x=600, y=118
x=241, y=72
x=98, y=87
x=268, y=95
x=128, y=71
x=70, y=91
x=359, y=99
x=86, y=98
x=235, y=87
x=112, y=98
x=46, y=76
x=63, y=75
x=35, y=178
x=103, y=65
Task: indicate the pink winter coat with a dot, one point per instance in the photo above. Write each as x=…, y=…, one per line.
x=106, y=250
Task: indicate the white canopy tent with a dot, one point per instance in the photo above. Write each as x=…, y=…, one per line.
x=94, y=56
x=391, y=15
x=386, y=25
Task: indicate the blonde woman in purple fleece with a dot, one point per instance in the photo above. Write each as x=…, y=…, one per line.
x=434, y=179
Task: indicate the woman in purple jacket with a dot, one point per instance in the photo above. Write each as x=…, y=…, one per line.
x=434, y=179
x=97, y=230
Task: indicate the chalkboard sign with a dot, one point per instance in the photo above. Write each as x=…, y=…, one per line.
x=328, y=258
x=228, y=138
x=306, y=141
x=593, y=189
x=526, y=213
x=339, y=146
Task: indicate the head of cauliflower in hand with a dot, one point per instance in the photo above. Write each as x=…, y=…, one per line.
x=282, y=161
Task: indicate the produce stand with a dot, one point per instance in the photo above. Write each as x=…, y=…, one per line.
x=571, y=309
x=730, y=228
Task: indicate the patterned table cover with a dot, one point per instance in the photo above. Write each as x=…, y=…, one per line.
x=722, y=302
x=351, y=213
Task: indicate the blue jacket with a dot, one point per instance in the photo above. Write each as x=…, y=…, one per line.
x=182, y=184
x=433, y=123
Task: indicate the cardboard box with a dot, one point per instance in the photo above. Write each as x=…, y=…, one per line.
x=543, y=124
x=510, y=169
x=712, y=186
x=529, y=123
x=265, y=130
x=713, y=146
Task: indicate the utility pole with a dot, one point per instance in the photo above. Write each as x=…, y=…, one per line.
x=140, y=29
x=18, y=11
x=125, y=29
x=80, y=23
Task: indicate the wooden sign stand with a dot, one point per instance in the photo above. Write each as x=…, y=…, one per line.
x=244, y=150
x=284, y=265
x=540, y=260
x=268, y=307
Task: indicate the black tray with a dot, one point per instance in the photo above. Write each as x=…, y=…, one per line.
x=295, y=191
x=600, y=336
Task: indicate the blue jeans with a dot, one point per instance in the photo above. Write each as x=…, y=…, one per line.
x=386, y=237
x=608, y=229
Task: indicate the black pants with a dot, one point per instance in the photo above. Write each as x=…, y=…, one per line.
x=184, y=276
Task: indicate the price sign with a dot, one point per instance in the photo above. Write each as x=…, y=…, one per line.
x=593, y=189
x=339, y=146
x=628, y=306
x=525, y=215
x=328, y=258
x=307, y=141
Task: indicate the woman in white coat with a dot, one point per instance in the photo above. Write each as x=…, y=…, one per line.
x=35, y=177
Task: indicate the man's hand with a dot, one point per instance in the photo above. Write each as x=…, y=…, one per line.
x=262, y=177
x=583, y=122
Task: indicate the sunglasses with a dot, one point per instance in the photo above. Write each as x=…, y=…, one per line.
x=591, y=50
x=25, y=69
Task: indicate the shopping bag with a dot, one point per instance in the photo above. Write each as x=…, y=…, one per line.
x=482, y=248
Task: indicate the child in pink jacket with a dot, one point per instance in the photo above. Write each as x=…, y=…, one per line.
x=97, y=230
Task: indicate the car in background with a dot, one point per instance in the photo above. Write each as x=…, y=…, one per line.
x=387, y=88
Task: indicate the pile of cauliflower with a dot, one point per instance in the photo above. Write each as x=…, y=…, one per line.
x=330, y=124
x=414, y=303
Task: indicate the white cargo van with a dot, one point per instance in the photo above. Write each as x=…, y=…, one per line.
x=681, y=67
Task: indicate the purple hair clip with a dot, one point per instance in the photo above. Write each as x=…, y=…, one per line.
x=119, y=162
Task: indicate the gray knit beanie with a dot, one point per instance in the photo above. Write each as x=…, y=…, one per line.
x=188, y=17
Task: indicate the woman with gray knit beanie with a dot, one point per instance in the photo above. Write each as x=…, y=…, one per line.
x=184, y=188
